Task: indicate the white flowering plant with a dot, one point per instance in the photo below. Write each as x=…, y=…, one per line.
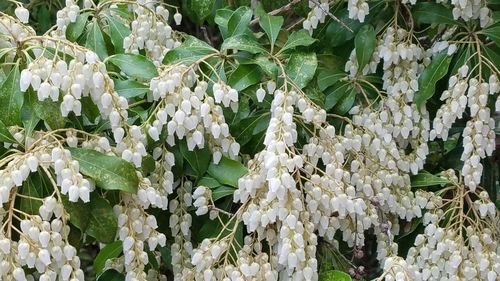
x=249, y=140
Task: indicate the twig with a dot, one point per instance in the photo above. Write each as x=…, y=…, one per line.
x=331, y=15
x=277, y=11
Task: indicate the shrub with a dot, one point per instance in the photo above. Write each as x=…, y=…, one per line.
x=278, y=141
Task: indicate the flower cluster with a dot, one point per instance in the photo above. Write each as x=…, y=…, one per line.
x=151, y=31
x=358, y=9
x=65, y=16
x=188, y=111
x=316, y=15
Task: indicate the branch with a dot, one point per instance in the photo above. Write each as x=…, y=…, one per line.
x=278, y=11
x=331, y=15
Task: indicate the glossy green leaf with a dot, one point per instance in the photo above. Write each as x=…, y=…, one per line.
x=5, y=135
x=191, y=50
x=198, y=159
x=46, y=110
x=33, y=187
x=244, y=130
x=222, y=191
x=267, y=66
x=239, y=21
x=301, y=68
x=328, y=77
x=335, y=93
x=109, y=251
x=103, y=223
x=11, y=98
x=270, y=24
x=242, y=42
x=78, y=213
x=346, y=102
x=365, y=44
x=209, y=182
x=493, y=32
x=227, y=171
x=29, y=119
x=75, y=29
x=336, y=34
x=334, y=275
x=136, y=66
x=298, y=38
x=117, y=32
x=429, y=12
x=221, y=19
x=130, y=88
x=95, y=40
x=436, y=70
x=109, y=172
x=111, y=275
x=425, y=179
x=244, y=76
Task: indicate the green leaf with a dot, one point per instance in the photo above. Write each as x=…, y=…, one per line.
x=30, y=120
x=117, y=32
x=346, y=102
x=242, y=42
x=136, y=66
x=221, y=19
x=95, y=41
x=335, y=93
x=239, y=21
x=436, y=70
x=227, y=171
x=429, y=12
x=130, y=88
x=336, y=34
x=267, y=66
x=209, y=182
x=103, y=223
x=222, y=191
x=270, y=24
x=111, y=275
x=33, y=187
x=75, y=29
x=110, y=251
x=109, y=172
x=5, y=135
x=365, y=44
x=78, y=213
x=198, y=159
x=334, y=275
x=493, y=32
x=301, y=68
x=328, y=77
x=46, y=110
x=11, y=98
x=248, y=127
x=244, y=76
x=298, y=38
x=191, y=50
x=425, y=179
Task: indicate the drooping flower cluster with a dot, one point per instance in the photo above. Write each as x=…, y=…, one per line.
x=320, y=9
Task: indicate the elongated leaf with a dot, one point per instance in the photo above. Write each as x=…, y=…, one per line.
x=268, y=66
x=430, y=76
x=75, y=29
x=110, y=251
x=244, y=76
x=243, y=42
x=227, y=171
x=46, y=110
x=239, y=21
x=95, y=41
x=191, y=50
x=429, y=12
x=5, y=135
x=270, y=24
x=221, y=18
x=33, y=187
x=117, y=32
x=365, y=44
x=111, y=275
x=29, y=119
x=298, y=38
x=199, y=159
x=136, y=66
x=337, y=34
x=78, y=213
x=222, y=191
x=103, y=223
x=11, y=98
x=109, y=172
x=248, y=127
x=346, y=102
x=301, y=68
x=209, y=182
x=493, y=32
x=328, y=77
x=130, y=88
x=425, y=179
x=336, y=93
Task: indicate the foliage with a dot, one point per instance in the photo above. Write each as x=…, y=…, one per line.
x=249, y=140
